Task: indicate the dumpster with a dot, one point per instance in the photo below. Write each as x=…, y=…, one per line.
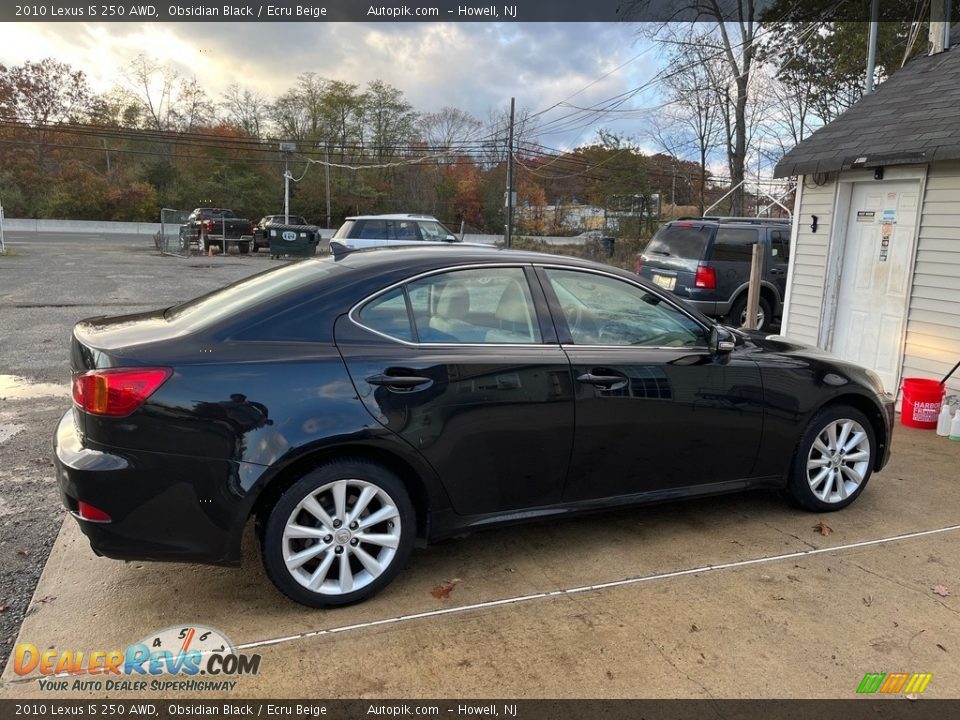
x=292, y=240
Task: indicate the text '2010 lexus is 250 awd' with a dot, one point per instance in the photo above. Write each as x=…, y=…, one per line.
x=350, y=406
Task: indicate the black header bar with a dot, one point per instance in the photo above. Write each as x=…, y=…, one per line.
x=454, y=11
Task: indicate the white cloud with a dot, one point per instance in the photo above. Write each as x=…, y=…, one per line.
x=474, y=66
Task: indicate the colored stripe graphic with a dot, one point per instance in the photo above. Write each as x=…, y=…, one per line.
x=892, y=683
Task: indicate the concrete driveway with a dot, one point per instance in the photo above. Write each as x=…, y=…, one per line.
x=734, y=597
x=793, y=614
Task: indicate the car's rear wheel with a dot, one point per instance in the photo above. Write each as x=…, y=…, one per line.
x=834, y=459
x=738, y=313
x=339, y=534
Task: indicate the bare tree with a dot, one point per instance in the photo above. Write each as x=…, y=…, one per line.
x=734, y=41
x=245, y=109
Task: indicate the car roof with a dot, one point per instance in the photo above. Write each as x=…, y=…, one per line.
x=438, y=255
x=393, y=216
x=719, y=220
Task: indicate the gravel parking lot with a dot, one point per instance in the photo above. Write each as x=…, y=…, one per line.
x=739, y=596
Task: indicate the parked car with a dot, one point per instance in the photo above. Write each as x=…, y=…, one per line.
x=706, y=261
x=366, y=231
x=215, y=227
x=260, y=239
x=352, y=405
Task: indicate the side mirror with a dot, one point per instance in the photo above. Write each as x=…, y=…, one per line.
x=721, y=341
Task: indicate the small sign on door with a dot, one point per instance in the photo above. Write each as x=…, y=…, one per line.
x=865, y=216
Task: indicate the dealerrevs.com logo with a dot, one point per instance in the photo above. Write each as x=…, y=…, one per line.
x=200, y=658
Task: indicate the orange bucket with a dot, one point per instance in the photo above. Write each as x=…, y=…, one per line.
x=921, y=402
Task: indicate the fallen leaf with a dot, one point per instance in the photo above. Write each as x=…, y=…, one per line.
x=4, y=607
x=822, y=528
x=868, y=600
x=778, y=597
x=443, y=590
x=694, y=628
x=510, y=570
x=794, y=578
x=941, y=647
x=941, y=590
x=24, y=553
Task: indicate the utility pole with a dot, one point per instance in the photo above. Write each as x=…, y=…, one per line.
x=872, y=45
x=510, y=193
x=287, y=149
x=326, y=167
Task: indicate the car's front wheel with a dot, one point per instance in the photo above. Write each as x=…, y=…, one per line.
x=834, y=459
x=339, y=534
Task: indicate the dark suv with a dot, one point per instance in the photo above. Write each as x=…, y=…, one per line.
x=706, y=261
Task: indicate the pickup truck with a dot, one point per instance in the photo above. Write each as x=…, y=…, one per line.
x=215, y=227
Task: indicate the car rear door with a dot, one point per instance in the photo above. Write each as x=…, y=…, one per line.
x=464, y=365
x=656, y=409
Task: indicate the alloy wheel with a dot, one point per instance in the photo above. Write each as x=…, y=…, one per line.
x=341, y=537
x=838, y=461
x=761, y=318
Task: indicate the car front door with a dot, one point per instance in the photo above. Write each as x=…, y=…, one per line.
x=464, y=365
x=656, y=408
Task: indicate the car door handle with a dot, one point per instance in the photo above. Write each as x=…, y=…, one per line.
x=604, y=382
x=778, y=271
x=399, y=382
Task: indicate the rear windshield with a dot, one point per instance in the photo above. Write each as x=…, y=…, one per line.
x=251, y=292
x=345, y=229
x=682, y=241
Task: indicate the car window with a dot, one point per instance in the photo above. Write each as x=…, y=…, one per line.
x=603, y=310
x=345, y=229
x=486, y=305
x=780, y=245
x=403, y=230
x=372, y=230
x=734, y=244
x=433, y=231
x=388, y=314
x=681, y=240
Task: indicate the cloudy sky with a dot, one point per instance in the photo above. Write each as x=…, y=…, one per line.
x=473, y=66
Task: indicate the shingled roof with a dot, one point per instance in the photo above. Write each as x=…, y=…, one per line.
x=914, y=117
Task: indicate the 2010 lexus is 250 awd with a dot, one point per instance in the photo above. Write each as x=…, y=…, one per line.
x=352, y=405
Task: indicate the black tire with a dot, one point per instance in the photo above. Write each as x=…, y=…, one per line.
x=737, y=315
x=799, y=484
x=318, y=484
x=243, y=247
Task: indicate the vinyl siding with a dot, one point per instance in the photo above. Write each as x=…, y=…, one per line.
x=933, y=321
x=810, y=262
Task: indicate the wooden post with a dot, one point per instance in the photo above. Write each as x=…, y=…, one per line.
x=753, y=293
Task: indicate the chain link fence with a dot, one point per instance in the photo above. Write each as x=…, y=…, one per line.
x=170, y=239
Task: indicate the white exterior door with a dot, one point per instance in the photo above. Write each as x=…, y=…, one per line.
x=874, y=277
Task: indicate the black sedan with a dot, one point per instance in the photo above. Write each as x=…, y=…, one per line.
x=352, y=405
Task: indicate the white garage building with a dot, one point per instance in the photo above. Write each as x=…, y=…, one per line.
x=874, y=273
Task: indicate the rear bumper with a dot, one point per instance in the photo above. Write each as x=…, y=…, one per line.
x=161, y=507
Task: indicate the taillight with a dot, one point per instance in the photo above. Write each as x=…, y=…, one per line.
x=706, y=277
x=116, y=392
x=639, y=266
x=89, y=512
